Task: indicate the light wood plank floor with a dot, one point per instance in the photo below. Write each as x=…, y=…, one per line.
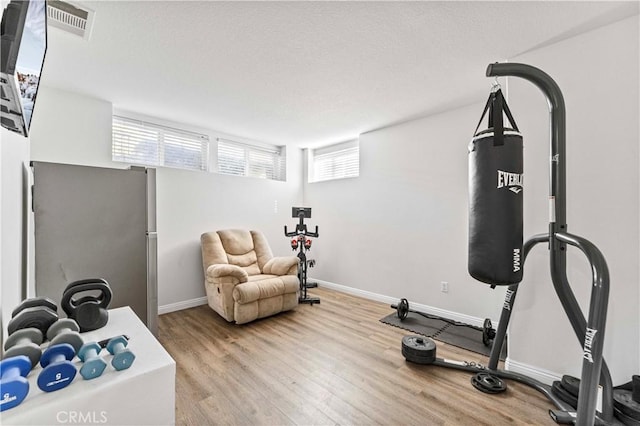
x=332, y=363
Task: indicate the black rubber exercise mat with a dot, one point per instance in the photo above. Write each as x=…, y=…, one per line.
x=463, y=337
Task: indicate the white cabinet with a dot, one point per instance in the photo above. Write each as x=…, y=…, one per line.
x=144, y=394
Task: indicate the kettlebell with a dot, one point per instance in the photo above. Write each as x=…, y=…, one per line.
x=90, y=312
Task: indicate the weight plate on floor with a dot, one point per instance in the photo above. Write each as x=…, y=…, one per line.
x=418, y=349
x=418, y=359
x=571, y=384
x=488, y=333
x=626, y=420
x=488, y=383
x=403, y=309
x=623, y=401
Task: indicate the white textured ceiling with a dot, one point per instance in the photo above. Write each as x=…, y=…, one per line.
x=304, y=73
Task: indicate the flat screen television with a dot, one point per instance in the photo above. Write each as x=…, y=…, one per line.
x=23, y=34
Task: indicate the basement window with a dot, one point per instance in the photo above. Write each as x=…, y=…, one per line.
x=241, y=159
x=336, y=161
x=148, y=144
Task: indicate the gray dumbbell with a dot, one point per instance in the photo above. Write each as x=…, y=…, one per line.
x=24, y=342
x=65, y=331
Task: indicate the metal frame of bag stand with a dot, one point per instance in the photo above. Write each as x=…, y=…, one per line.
x=590, y=332
x=301, y=230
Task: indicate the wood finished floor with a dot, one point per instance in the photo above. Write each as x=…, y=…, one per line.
x=332, y=363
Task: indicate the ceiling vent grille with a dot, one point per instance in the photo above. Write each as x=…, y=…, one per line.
x=70, y=18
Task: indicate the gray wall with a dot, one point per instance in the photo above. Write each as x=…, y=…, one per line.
x=76, y=129
x=401, y=227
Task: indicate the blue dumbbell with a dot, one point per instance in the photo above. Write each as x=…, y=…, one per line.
x=122, y=357
x=93, y=364
x=58, y=371
x=14, y=386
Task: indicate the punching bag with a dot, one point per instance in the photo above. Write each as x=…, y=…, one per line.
x=495, y=197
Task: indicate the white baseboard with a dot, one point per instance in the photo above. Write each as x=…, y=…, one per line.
x=455, y=316
x=185, y=304
x=542, y=375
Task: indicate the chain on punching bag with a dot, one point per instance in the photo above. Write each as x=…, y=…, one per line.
x=495, y=197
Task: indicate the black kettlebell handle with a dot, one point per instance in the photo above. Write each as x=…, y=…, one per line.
x=86, y=285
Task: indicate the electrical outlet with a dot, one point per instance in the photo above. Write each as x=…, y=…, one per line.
x=444, y=286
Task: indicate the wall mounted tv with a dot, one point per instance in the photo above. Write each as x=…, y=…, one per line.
x=24, y=44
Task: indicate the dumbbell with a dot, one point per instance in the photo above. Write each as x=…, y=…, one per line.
x=58, y=370
x=122, y=356
x=24, y=342
x=37, y=312
x=93, y=365
x=13, y=382
x=65, y=331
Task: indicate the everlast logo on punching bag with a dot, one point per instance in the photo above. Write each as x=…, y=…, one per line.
x=512, y=181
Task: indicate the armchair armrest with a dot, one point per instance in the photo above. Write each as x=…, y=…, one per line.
x=281, y=265
x=224, y=270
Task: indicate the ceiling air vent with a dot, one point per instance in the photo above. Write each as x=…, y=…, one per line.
x=70, y=18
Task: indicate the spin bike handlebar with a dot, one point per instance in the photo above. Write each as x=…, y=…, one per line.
x=301, y=231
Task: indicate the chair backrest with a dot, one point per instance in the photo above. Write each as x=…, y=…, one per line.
x=246, y=249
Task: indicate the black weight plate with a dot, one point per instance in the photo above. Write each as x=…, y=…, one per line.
x=559, y=391
x=488, y=383
x=33, y=302
x=419, y=359
x=403, y=309
x=623, y=401
x=626, y=420
x=487, y=332
x=419, y=346
x=571, y=384
x=39, y=317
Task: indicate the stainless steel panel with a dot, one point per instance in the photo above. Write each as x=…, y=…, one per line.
x=91, y=222
x=152, y=282
x=151, y=200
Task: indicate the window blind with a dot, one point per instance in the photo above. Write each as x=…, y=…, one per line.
x=140, y=142
x=240, y=159
x=335, y=161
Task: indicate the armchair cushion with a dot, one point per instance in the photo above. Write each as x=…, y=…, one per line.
x=218, y=271
x=243, y=280
x=281, y=265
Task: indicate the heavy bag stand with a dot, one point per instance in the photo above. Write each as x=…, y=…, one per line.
x=301, y=233
x=589, y=332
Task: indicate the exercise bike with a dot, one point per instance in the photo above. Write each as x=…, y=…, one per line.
x=302, y=243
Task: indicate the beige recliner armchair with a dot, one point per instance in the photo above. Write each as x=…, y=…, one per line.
x=243, y=280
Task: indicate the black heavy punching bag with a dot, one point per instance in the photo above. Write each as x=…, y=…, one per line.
x=495, y=198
